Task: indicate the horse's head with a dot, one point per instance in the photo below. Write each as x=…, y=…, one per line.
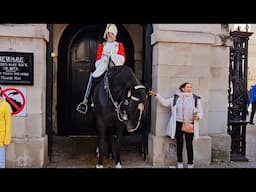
x=130, y=93
x=137, y=106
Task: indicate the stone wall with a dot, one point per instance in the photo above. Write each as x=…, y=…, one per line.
x=194, y=53
x=29, y=139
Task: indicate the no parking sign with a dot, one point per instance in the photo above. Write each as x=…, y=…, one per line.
x=16, y=97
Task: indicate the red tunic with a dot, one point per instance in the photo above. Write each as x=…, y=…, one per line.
x=100, y=50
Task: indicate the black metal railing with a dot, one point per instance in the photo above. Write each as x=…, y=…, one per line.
x=237, y=94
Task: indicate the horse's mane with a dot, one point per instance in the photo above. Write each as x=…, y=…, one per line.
x=121, y=79
x=123, y=73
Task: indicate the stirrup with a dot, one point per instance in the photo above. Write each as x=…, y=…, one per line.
x=82, y=107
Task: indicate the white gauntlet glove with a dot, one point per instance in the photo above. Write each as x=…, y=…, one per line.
x=105, y=57
x=107, y=50
x=117, y=59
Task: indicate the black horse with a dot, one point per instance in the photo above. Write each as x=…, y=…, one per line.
x=119, y=102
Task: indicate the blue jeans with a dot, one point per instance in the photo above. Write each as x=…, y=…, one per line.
x=2, y=157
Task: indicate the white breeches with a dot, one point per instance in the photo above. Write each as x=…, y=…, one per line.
x=101, y=67
x=102, y=64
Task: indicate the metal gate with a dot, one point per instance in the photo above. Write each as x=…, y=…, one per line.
x=237, y=94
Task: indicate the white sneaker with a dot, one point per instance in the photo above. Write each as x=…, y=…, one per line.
x=179, y=165
x=190, y=166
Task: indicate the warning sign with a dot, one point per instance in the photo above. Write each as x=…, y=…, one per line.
x=16, y=97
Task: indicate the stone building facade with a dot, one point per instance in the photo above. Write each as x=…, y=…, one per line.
x=193, y=53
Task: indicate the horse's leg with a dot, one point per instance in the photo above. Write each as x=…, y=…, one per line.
x=100, y=137
x=110, y=146
x=97, y=146
x=118, y=140
x=97, y=150
x=100, y=149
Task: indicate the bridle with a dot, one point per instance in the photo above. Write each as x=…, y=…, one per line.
x=122, y=116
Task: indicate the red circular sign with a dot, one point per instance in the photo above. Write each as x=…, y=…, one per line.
x=17, y=107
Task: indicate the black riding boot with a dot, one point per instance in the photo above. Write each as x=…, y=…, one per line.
x=83, y=107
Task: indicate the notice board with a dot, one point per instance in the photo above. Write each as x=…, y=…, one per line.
x=16, y=68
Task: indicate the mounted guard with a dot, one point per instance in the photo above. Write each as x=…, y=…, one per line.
x=119, y=98
x=109, y=53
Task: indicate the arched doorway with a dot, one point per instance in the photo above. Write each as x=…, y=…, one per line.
x=76, y=58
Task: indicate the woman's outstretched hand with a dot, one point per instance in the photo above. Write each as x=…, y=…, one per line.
x=152, y=93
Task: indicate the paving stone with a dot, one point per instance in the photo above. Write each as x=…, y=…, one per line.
x=80, y=152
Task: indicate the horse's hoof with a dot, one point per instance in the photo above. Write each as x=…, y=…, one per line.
x=118, y=165
x=99, y=166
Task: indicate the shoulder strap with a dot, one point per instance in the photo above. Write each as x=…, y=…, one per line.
x=175, y=99
x=196, y=97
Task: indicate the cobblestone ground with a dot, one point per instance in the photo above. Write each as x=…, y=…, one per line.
x=79, y=152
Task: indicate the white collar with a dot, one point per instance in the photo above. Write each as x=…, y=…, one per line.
x=187, y=94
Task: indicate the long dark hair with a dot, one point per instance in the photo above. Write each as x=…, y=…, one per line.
x=1, y=93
